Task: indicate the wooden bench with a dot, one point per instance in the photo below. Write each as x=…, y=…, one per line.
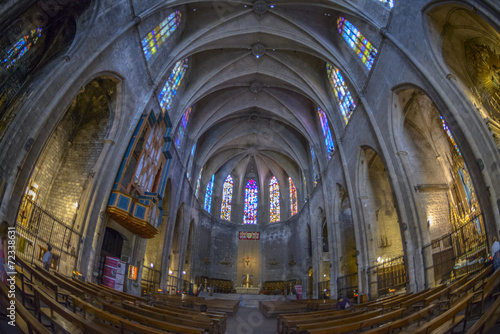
x=173, y=325
x=188, y=319
x=447, y=320
x=283, y=319
x=274, y=308
x=64, y=316
x=489, y=286
x=230, y=307
x=216, y=316
x=326, y=322
x=123, y=295
x=24, y=319
x=478, y=279
x=46, y=282
x=106, y=318
x=487, y=320
x=383, y=301
x=345, y=327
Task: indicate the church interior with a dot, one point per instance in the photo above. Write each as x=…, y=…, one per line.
x=260, y=156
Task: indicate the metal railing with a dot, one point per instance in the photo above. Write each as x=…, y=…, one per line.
x=324, y=290
x=346, y=285
x=391, y=275
x=36, y=229
x=151, y=278
x=462, y=251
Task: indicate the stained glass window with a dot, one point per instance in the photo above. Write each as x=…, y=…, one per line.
x=450, y=136
x=363, y=48
x=274, y=200
x=250, y=210
x=153, y=40
x=190, y=163
x=197, y=192
x=182, y=128
x=170, y=89
x=330, y=146
x=315, y=167
x=388, y=2
x=342, y=93
x=20, y=48
x=293, y=197
x=227, y=197
x=208, y=194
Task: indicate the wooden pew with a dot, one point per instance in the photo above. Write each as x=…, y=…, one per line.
x=43, y=278
x=403, y=322
x=273, y=308
x=491, y=285
x=487, y=320
x=177, y=326
x=123, y=295
x=447, y=320
x=478, y=279
x=221, y=317
x=108, y=318
x=327, y=328
x=383, y=301
x=190, y=320
x=326, y=322
x=24, y=319
x=230, y=307
x=65, y=285
x=296, y=317
x=63, y=314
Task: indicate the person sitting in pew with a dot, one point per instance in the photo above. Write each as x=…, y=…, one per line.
x=343, y=304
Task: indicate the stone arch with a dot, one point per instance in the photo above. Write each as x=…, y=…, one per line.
x=44, y=41
x=61, y=179
x=465, y=44
x=347, y=281
x=446, y=199
x=384, y=239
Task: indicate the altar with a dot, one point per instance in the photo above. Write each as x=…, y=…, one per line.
x=247, y=291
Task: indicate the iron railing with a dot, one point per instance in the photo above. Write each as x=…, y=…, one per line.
x=347, y=285
x=36, y=229
x=460, y=252
x=391, y=276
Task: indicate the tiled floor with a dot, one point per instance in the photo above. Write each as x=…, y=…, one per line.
x=250, y=321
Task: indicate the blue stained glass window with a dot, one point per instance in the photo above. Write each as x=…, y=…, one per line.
x=315, y=167
x=170, y=89
x=363, y=48
x=450, y=136
x=342, y=93
x=327, y=134
x=190, y=163
x=152, y=41
x=197, y=192
x=293, y=197
x=227, y=197
x=250, y=210
x=274, y=200
x=208, y=194
x=20, y=48
x=182, y=128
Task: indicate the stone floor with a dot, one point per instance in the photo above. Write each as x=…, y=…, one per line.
x=250, y=321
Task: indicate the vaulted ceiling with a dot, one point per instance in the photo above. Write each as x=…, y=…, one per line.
x=257, y=73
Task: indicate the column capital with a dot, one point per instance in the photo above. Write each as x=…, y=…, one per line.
x=402, y=153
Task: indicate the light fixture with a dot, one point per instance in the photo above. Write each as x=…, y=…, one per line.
x=151, y=264
x=170, y=272
x=76, y=205
x=324, y=275
x=183, y=272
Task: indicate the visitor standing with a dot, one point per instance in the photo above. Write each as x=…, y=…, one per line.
x=47, y=258
x=495, y=253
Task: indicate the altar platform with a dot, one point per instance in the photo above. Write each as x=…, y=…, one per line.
x=251, y=301
x=247, y=291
